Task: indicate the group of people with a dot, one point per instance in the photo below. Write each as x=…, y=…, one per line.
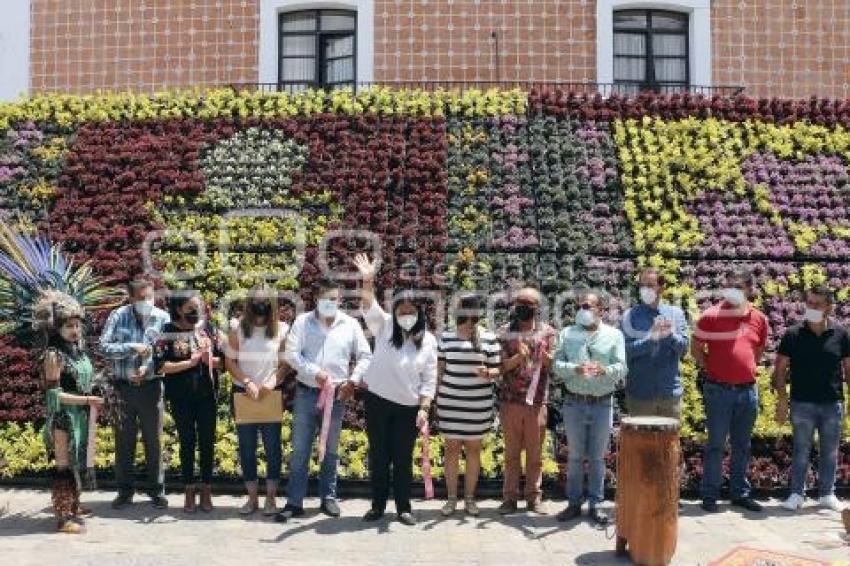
x=527, y=371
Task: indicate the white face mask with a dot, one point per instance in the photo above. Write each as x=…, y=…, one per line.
x=648, y=295
x=407, y=321
x=734, y=296
x=143, y=307
x=327, y=307
x=585, y=317
x=813, y=315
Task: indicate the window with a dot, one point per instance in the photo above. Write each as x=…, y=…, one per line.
x=317, y=49
x=651, y=50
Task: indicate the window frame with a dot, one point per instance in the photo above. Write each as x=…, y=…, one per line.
x=650, y=82
x=319, y=58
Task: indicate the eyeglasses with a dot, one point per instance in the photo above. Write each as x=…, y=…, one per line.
x=586, y=306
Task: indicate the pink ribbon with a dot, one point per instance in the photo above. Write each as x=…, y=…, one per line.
x=326, y=405
x=535, y=377
x=90, y=446
x=426, y=461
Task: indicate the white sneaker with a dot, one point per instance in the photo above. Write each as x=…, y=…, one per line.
x=794, y=502
x=830, y=502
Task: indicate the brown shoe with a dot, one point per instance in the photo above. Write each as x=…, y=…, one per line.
x=845, y=516
x=537, y=507
x=206, y=498
x=507, y=507
x=189, y=503
x=70, y=527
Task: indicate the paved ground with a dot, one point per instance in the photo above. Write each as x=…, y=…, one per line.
x=142, y=535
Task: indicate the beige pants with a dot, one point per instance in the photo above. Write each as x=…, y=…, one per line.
x=524, y=427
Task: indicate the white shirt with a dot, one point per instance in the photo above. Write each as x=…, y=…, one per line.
x=401, y=375
x=311, y=347
x=259, y=355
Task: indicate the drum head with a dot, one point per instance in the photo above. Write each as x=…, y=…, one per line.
x=650, y=423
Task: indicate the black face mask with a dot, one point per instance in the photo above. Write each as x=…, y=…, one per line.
x=524, y=312
x=261, y=309
x=192, y=317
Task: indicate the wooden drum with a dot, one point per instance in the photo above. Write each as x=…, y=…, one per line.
x=648, y=489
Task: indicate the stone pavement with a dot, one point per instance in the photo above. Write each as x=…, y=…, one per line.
x=142, y=535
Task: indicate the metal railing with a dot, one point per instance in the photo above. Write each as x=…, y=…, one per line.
x=605, y=89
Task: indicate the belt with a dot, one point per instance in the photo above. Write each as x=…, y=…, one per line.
x=142, y=383
x=747, y=385
x=591, y=399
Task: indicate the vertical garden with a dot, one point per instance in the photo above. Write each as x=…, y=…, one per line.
x=463, y=190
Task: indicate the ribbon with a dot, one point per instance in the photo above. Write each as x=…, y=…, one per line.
x=535, y=376
x=326, y=405
x=92, y=434
x=426, y=460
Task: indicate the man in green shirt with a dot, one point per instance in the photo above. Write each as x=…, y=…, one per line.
x=590, y=364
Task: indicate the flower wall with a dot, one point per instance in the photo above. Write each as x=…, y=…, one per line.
x=476, y=190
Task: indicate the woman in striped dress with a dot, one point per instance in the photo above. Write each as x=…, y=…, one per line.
x=469, y=361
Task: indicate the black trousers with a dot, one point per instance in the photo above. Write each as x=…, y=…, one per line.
x=142, y=408
x=194, y=418
x=391, y=429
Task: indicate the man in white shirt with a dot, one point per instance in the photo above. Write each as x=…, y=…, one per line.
x=320, y=347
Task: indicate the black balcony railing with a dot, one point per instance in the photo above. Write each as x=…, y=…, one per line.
x=605, y=89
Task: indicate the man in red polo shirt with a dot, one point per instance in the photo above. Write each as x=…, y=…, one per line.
x=728, y=344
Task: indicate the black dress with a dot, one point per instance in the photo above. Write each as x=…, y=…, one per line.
x=192, y=397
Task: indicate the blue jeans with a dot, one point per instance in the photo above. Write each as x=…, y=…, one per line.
x=306, y=424
x=729, y=412
x=247, y=434
x=805, y=419
x=588, y=427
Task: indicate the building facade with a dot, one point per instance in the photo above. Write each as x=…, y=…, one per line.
x=779, y=48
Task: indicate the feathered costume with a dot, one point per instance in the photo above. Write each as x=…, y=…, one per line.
x=40, y=290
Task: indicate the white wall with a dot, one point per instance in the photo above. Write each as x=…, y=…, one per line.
x=14, y=49
x=269, y=10
x=699, y=37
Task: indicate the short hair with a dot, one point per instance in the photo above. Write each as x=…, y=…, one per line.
x=584, y=293
x=325, y=284
x=823, y=291
x=652, y=270
x=744, y=274
x=136, y=285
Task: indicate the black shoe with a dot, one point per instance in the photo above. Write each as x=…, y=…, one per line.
x=372, y=515
x=407, y=518
x=599, y=517
x=123, y=500
x=159, y=502
x=288, y=512
x=748, y=503
x=709, y=505
x=330, y=508
x=572, y=511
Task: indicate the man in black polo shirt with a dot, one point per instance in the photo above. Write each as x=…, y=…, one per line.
x=817, y=352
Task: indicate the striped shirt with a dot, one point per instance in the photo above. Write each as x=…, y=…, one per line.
x=464, y=400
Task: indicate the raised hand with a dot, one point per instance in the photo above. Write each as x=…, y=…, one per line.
x=367, y=268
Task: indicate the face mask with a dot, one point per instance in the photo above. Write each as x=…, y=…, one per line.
x=327, y=307
x=524, y=312
x=734, y=296
x=261, y=309
x=585, y=317
x=648, y=295
x=144, y=307
x=813, y=315
x=192, y=317
x=407, y=321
